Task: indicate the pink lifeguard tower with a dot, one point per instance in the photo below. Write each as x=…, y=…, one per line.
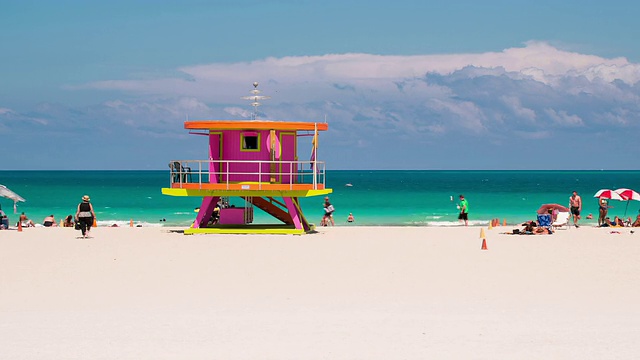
x=257, y=161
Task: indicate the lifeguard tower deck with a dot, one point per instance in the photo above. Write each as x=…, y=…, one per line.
x=257, y=161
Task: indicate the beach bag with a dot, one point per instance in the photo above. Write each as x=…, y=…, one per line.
x=77, y=226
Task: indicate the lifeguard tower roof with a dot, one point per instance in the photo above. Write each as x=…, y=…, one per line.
x=254, y=125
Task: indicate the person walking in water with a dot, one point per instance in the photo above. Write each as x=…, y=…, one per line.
x=575, y=203
x=464, y=210
x=85, y=215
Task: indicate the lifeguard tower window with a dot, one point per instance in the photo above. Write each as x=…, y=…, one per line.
x=250, y=141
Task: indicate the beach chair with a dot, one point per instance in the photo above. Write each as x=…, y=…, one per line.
x=179, y=173
x=562, y=221
x=544, y=220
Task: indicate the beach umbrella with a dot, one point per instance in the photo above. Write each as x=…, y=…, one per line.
x=544, y=209
x=628, y=194
x=608, y=194
x=6, y=193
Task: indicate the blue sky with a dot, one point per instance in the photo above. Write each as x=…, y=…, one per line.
x=403, y=84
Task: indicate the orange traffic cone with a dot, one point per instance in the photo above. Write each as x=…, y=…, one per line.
x=131, y=223
x=19, y=225
x=95, y=222
x=490, y=225
x=484, y=244
x=482, y=233
x=504, y=223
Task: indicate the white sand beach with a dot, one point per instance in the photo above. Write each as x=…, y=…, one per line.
x=343, y=293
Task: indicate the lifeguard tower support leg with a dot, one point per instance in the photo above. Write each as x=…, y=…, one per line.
x=206, y=210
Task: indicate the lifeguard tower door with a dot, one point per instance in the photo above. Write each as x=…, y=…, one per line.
x=215, y=149
x=288, y=144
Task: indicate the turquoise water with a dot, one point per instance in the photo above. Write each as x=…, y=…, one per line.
x=375, y=197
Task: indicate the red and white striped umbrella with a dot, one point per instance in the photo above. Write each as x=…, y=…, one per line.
x=628, y=194
x=608, y=194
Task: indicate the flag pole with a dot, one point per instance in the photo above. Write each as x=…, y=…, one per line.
x=315, y=154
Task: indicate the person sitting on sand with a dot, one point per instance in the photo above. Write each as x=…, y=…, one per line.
x=49, y=221
x=215, y=216
x=609, y=223
x=532, y=228
x=637, y=222
x=618, y=221
x=529, y=228
x=540, y=230
x=67, y=222
x=25, y=221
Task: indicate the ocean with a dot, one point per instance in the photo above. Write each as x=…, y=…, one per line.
x=377, y=197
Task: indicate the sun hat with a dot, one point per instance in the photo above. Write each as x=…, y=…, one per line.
x=85, y=198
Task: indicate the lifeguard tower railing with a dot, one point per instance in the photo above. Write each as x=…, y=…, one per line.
x=247, y=175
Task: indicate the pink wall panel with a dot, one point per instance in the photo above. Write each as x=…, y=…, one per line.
x=288, y=143
x=232, y=151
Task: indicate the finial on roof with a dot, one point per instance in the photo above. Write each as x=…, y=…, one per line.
x=255, y=96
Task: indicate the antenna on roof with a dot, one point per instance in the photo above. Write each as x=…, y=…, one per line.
x=255, y=96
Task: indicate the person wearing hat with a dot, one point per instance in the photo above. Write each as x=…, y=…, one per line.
x=85, y=215
x=328, y=213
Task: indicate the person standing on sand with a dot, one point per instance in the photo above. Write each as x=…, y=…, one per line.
x=603, y=209
x=328, y=213
x=85, y=216
x=464, y=210
x=575, y=203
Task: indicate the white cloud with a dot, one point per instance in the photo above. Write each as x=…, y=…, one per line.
x=514, y=104
x=564, y=119
x=304, y=77
x=536, y=85
x=532, y=93
x=238, y=112
x=5, y=111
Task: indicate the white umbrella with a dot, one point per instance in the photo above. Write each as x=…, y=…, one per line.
x=628, y=194
x=5, y=192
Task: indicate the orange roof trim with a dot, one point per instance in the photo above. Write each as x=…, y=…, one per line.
x=253, y=125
